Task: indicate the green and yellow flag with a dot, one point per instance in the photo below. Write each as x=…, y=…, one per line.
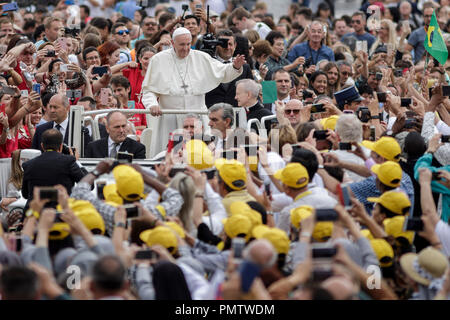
x=434, y=42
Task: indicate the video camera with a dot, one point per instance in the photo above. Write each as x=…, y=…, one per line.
x=209, y=41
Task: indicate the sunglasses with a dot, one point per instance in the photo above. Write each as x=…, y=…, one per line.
x=295, y=111
x=122, y=32
x=356, y=21
x=345, y=73
x=151, y=24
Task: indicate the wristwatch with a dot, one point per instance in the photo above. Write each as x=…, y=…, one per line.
x=121, y=225
x=96, y=173
x=375, y=117
x=321, y=166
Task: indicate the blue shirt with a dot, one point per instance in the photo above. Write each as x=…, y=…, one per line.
x=127, y=9
x=364, y=37
x=304, y=50
x=368, y=188
x=416, y=39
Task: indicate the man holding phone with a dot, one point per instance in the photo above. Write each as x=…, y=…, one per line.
x=51, y=167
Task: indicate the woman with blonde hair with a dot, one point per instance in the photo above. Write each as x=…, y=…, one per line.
x=385, y=35
x=186, y=187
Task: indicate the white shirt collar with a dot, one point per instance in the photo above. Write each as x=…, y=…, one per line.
x=111, y=143
x=62, y=124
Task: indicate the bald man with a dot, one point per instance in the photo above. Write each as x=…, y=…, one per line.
x=58, y=110
x=292, y=111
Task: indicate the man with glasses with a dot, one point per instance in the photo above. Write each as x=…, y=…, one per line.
x=359, y=25
x=417, y=37
x=91, y=57
x=345, y=70
x=122, y=36
x=149, y=27
x=292, y=112
x=226, y=92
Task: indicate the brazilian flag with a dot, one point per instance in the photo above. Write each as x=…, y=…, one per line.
x=434, y=42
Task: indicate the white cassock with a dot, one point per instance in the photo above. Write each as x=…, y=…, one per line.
x=165, y=85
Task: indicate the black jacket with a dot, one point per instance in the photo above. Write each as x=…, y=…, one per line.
x=49, y=169
x=257, y=112
x=37, y=139
x=226, y=92
x=99, y=148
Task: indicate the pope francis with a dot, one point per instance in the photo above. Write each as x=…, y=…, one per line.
x=178, y=78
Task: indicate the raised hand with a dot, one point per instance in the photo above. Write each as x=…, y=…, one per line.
x=239, y=61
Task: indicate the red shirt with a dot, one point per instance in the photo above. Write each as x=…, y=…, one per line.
x=138, y=119
x=136, y=78
x=24, y=138
x=12, y=143
x=23, y=85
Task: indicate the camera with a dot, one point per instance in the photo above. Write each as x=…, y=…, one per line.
x=378, y=76
x=307, y=94
x=210, y=43
x=345, y=146
x=381, y=96
x=320, y=134
x=409, y=123
x=326, y=215
x=320, y=250
x=132, y=210
x=398, y=73
x=363, y=114
x=50, y=53
x=405, y=102
x=65, y=149
x=73, y=32
x=317, y=108
x=146, y=255
x=445, y=139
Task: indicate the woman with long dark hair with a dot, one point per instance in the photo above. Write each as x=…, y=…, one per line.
x=169, y=282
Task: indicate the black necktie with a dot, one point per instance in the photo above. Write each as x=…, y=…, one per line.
x=58, y=127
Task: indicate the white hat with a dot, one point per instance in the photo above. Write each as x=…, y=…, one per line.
x=180, y=31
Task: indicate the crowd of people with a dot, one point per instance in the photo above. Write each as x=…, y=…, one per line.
x=339, y=190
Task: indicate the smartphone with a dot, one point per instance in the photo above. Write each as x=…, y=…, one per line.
x=63, y=68
x=295, y=147
x=176, y=169
x=100, y=186
x=445, y=139
x=18, y=243
x=37, y=87
x=372, y=133
x=345, y=146
x=184, y=7
x=104, y=95
x=132, y=210
x=317, y=108
x=398, y=73
x=8, y=90
x=99, y=70
x=50, y=53
x=267, y=189
x=131, y=104
x=10, y=7
x=210, y=173
x=320, y=250
x=413, y=224
x=248, y=271
x=229, y=154
x=409, y=123
x=346, y=197
x=124, y=157
x=326, y=215
x=320, y=134
x=361, y=46
x=405, y=102
x=49, y=193
x=238, y=245
x=198, y=6
x=381, y=96
x=63, y=43
x=146, y=255
x=251, y=149
x=446, y=91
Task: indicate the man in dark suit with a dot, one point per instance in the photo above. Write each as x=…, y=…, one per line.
x=225, y=92
x=247, y=93
x=58, y=109
x=90, y=104
x=51, y=167
x=117, y=141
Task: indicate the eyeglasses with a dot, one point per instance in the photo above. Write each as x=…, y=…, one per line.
x=122, y=32
x=345, y=73
x=151, y=24
x=295, y=111
x=356, y=21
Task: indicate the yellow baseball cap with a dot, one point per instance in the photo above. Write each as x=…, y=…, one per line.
x=329, y=123
x=395, y=201
x=240, y=207
x=389, y=172
x=253, y=163
x=322, y=229
x=383, y=251
x=294, y=175
x=277, y=237
x=111, y=196
x=236, y=225
x=394, y=227
x=59, y=231
x=367, y=234
x=387, y=147
x=177, y=228
x=232, y=172
x=198, y=155
x=161, y=235
x=129, y=183
x=90, y=217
